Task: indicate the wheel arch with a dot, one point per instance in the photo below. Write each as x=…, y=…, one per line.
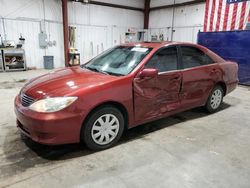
x=224, y=87
x=115, y=104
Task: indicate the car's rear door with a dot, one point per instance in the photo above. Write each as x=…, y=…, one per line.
x=200, y=73
x=154, y=97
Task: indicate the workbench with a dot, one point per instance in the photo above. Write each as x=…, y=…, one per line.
x=12, y=59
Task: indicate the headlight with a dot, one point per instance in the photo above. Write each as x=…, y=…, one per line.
x=52, y=104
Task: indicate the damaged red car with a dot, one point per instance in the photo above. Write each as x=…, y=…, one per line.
x=123, y=87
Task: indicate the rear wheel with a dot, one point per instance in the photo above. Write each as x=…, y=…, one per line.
x=103, y=128
x=215, y=99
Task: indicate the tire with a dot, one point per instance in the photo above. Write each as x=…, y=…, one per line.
x=215, y=99
x=97, y=133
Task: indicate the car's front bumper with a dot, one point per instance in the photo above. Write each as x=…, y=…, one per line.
x=48, y=128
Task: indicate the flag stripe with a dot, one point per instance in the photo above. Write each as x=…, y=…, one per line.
x=209, y=13
x=206, y=17
x=212, y=16
x=225, y=17
x=234, y=16
x=242, y=16
x=219, y=16
x=249, y=16
x=238, y=14
x=216, y=14
x=230, y=16
x=222, y=15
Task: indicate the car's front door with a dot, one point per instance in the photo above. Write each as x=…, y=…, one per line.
x=200, y=73
x=156, y=96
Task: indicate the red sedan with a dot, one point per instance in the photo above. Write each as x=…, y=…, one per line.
x=123, y=87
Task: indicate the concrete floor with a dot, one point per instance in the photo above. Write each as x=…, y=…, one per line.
x=191, y=149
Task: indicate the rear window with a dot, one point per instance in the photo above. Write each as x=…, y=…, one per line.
x=194, y=57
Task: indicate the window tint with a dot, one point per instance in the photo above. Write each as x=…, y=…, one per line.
x=193, y=57
x=164, y=60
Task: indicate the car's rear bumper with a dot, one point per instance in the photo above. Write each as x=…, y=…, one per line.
x=232, y=86
x=48, y=128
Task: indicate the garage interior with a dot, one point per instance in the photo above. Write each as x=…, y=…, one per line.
x=189, y=149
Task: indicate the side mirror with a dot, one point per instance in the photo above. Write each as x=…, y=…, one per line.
x=149, y=73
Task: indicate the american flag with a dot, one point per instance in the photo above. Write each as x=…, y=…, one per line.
x=226, y=15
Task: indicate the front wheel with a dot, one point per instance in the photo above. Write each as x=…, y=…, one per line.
x=103, y=128
x=215, y=99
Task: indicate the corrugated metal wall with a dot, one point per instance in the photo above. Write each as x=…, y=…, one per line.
x=188, y=20
x=29, y=30
x=97, y=27
x=91, y=40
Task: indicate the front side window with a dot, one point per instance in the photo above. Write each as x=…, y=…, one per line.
x=164, y=60
x=193, y=57
x=120, y=60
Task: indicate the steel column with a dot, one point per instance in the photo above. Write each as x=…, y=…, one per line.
x=146, y=13
x=65, y=31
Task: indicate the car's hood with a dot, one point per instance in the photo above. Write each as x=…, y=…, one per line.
x=65, y=81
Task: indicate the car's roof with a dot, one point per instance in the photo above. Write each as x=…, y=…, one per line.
x=158, y=44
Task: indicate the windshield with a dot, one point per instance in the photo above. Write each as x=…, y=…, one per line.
x=120, y=60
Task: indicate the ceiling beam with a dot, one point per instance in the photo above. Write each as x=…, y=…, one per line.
x=178, y=4
x=140, y=9
x=109, y=5
x=115, y=5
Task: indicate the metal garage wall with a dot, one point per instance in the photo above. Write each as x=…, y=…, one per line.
x=188, y=21
x=29, y=30
x=1, y=27
x=156, y=3
x=90, y=40
x=101, y=15
x=54, y=32
x=99, y=27
x=132, y=3
x=94, y=26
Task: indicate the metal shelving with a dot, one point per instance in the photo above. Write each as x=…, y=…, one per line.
x=13, y=59
x=1, y=62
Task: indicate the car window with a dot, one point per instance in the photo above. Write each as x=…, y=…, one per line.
x=193, y=57
x=164, y=60
x=119, y=60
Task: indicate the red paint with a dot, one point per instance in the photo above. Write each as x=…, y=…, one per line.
x=226, y=14
x=212, y=16
x=219, y=16
x=146, y=95
x=234, y=16
x=206, y=17
x=242, y=16
x=249, y=17
x=150, y=73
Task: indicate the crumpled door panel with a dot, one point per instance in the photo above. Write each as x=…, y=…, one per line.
x=157, y=96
